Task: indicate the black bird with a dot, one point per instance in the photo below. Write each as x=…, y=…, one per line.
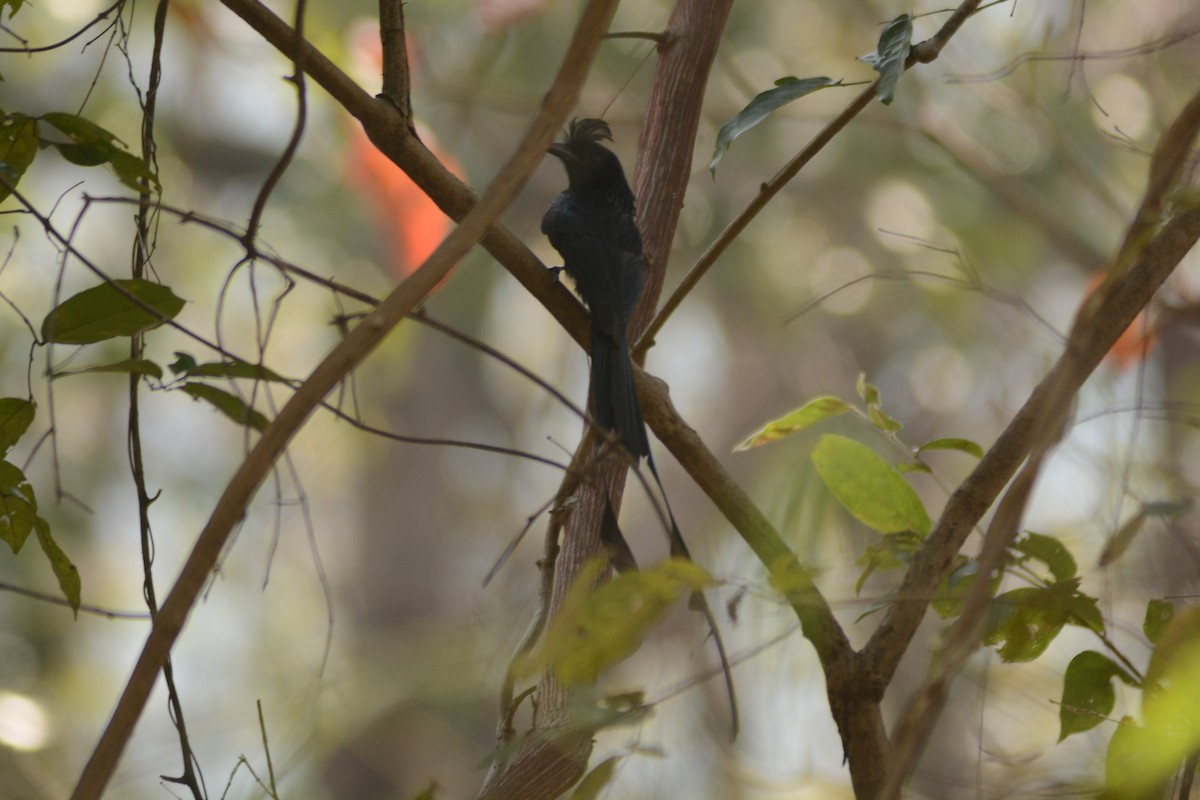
x=592, y=226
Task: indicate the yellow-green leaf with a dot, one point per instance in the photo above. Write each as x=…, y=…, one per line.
x=64, y=570
x=811, y=412
x=870, y=488
x=596, y=629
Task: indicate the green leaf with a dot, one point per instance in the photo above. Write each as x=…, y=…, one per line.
x=869, y=487
x=1049, y=551
x=1169, y=703
x=890, y=55
x=1158, y=616
x=64, y=570
x=786, y=90
x=18, y=506
x=892, y=551
x=1023, y=622
x=881, y=420
x=108, y=311
x=867, y=391
x=16, y=415
x=811, y=412
x=18, y=146
x=91, y=146
x=228, y=404
x=595, y=781
x=130, y=366
x=230, y=369
x=599, y=628
x=182, y=364
x=13, y=5
x=1120, y=541
x=948, y=599
x=950, y=443
x=1088, y=696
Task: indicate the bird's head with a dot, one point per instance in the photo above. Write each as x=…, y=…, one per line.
x=585, y=158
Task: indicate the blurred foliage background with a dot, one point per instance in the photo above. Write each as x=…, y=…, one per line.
x=940, y=246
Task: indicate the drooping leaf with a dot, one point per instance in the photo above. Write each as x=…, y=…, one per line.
x=1159, y=614
x=786, y=90
x=13, y=5
x=18, y=506
x=869, y=487
x=16, y=415
x=1023, y=622
x=1120, y=541
x=598, y=628
x=595, y=781
x=90, y=146
x=895, y=43
x=109, y=311
x=232, y=369
x=18, y=146
x=68, y=576
x=951, y=443
x=228, y=404
x=1050, y=551
x=1088, y=696
x=130, y=366
x=808, y=414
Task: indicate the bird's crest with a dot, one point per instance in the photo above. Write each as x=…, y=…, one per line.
x=587, y=130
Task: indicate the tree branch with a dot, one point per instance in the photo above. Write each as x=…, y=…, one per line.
x=231, y=508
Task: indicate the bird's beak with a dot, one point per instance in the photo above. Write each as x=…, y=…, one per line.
x=562, y=152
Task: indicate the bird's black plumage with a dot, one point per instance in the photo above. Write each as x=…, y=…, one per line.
x=592, y=226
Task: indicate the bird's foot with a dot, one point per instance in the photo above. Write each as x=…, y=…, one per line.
x=554, y=273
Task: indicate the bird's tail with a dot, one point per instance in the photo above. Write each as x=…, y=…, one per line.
x=614, y=399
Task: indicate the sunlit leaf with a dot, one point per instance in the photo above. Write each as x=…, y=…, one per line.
x=109, y=311
x=228, y=404
x=68, y=576
x=882, y=420
x=1159, y=614
x=1050, y=551
x=811, y=412
x=786, y=90
x=595, y=781
x=890, y=55
x=867, y=391
x=950, y=443
x=868, y=487
x=598, y=628
x=1088, y=696
x=1171, y=732
x=16, y=415
x=18, y=146
x=130, y=366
